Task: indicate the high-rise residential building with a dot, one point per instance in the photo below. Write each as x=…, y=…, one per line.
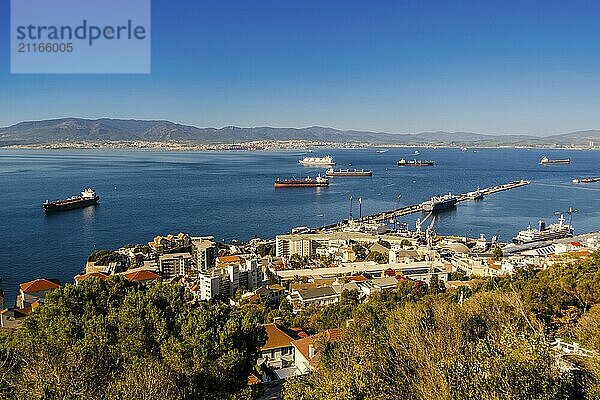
x=176, y=264
x=204, y=252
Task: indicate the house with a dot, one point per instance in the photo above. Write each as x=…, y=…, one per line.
x=272, y=294
x=400, y=255
x=305, y=297
x=379, y=248
x=278, y=351
x=350, y=286
x=35, y=291
x=306, y=350
x=379, y=284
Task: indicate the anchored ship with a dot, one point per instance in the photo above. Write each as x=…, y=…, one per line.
x=545, y=160
x=438, y=203
x=586, y=180
x=318, y=161
x=319, y=181
x=88, y=198
x=551, y=232
x=415, y=163
x=349, y=172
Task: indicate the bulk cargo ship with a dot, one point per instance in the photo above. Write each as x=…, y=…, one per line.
x=348, y=172
x=546, y=160
x=318, y=161
x=415, y=163
x=88, y=198
x=439, y=203
x=319, y=181
x=551, y=232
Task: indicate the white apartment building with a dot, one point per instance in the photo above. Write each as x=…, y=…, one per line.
x=226, y=280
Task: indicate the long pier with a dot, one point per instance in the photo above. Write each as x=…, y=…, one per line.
x=415, y=208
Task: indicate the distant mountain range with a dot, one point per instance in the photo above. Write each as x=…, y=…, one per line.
x=74, y=130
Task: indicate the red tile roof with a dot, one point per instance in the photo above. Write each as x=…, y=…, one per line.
x=39, y=285
x=141, y=276
x=276, y=337
x=358, y=278
x=329, y=336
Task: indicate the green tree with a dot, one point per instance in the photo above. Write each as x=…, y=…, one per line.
x=497, y=253
x=122, y=340
x=378, y=257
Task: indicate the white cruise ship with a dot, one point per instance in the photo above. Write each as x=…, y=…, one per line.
x=559, y=230
x=319, y=161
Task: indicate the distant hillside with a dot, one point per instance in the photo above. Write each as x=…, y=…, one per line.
x=99, y=130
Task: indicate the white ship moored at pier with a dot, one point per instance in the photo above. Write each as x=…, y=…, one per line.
x=559, y=230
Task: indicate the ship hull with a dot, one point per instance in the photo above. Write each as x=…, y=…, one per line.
x=350, y=173
x=555, y=162
x=542, y=238
x=57, y=206
x=417, y=164
x=299, y=185
x=316, y=164
x=441, y=206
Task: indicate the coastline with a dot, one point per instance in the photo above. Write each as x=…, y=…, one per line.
x=268, y=146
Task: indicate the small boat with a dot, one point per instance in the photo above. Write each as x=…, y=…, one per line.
x=545, y=160
x=382, y=151
x=349, y=172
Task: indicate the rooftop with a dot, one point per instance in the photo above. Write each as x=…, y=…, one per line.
x=141, y=276
x=315, y=293
x=276, y=337
x=83, y=277
x=39, y=285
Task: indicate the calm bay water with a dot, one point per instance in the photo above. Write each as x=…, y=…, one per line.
x=231, y=196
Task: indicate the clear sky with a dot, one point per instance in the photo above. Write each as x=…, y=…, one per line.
x=398, y=66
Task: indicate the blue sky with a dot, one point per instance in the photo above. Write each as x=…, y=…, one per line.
x=396, y=66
